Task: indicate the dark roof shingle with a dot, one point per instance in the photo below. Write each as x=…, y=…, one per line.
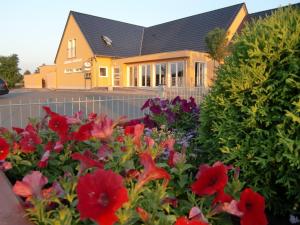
x=126, y=38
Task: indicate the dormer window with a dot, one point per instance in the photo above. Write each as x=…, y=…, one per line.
x=72, y=48
x=106, y=40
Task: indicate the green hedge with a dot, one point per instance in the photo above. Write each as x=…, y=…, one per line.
x=251, y=118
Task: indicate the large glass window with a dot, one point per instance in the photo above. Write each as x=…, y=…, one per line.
x=146, y=75
x=177, y=74
x=160, y=74
x=133, y=76
x=199, y=74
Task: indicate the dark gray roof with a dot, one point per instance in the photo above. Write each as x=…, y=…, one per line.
x=131, y=40
x=187, y=33
x=126, y=38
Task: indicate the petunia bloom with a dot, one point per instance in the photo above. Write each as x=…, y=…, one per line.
x=102, y=128
x=151, y=171
x=87, y=160
x=31, y=185
x=4, y=149
x=221, y=197
x=59, y=124
x=29, y=139
x=184, y=221
x=83, y=133
x=44, y=160
x=252, y=205
x=100, y=195
x=210, y=179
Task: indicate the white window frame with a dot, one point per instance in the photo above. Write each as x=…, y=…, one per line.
x=166, y=73
x=103, y=67
x=204, y=73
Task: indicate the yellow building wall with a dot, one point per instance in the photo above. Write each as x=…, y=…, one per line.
x=97, y=80
x=33, y=80
x=49, y=74
x=74, y=80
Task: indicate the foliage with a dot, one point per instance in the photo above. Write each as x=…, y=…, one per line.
x=131, y=175
x=251, y=117
x=216, y=42
x=9, y=69
x=27, y=72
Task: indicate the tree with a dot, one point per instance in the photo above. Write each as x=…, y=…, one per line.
x=9, y=69
x=27, y=72
x=216, y=41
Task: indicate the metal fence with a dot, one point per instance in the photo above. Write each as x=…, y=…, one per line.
x=16, y=114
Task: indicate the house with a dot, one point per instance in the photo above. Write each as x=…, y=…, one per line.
x=99, y=52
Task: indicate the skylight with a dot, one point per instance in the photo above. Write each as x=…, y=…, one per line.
x=107, y=40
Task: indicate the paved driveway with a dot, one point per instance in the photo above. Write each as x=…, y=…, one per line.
x=21, y=104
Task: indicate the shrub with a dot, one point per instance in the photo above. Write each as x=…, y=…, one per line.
x=251, y=117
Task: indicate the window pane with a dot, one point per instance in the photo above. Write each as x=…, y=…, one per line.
x=103, y=72
x=173, y=74
x=148, y=78
x=180, y=74
x=135, y=70
x=163, y=74
x=157, y=74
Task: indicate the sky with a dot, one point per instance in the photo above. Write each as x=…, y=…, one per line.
x=32, y=29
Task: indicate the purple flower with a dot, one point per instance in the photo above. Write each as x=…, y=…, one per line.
x=176, y=100
x=155, y=109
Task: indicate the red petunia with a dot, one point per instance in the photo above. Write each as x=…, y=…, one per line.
x=222, y=197
x=49, y=111
x=100, y=195
x=210, y=179
x=29, y=139
x=102, y=128
x=59, y=124
x=252, y=205
x=44, y=160
x=83, y=133
x=184, y=221
x=87, y=160
x=129, y=130
x=4, y=149
x=151, y=171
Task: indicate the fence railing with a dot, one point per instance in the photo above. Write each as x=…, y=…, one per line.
x=16, y=114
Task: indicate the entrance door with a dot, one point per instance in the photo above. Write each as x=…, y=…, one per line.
x=199, y=74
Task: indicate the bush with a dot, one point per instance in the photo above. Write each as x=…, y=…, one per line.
x=251, y=118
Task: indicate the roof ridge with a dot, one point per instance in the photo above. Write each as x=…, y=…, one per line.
x=273, y=9
x=103, y=18
x=196, y=15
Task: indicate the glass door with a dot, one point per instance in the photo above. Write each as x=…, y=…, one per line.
x=160, y=74
x=177, y=74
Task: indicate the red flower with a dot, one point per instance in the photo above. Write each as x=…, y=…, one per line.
x=29, y=140
x=221, y=197
x=210, y=179
x=252, y=205
x=31, y=185
x=184, y=221
x=83, y=133
x=129, y=130
x=49, y=111
x=44, y=160
x=4, y=149
x=102, y=128
x=59, y=124
x=87, y=160
x=151, y=171
x=100, y=195
x=136, y=131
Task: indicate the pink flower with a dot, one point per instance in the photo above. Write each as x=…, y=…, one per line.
x=102, y=128
x=76, y=119
x=31, y=185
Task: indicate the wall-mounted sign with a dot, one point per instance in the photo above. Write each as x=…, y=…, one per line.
x=72, y=61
